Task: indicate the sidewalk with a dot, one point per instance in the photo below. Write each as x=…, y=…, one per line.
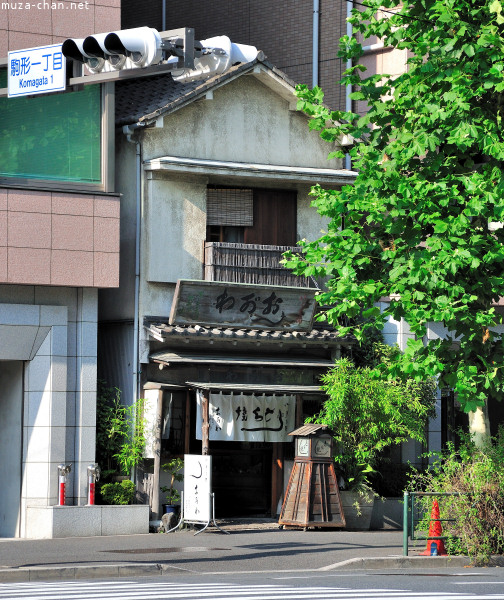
x=251, y=546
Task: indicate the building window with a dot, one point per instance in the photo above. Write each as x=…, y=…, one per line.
x=251, y=216
x=229, y=211
x=52, y=139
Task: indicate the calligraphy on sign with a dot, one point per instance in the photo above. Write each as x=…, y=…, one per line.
x=248, y=418
x=242, y=305
x=197, y=488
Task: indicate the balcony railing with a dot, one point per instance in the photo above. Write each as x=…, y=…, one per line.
x=250, y=263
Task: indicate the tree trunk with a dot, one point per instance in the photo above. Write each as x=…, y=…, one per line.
x=479, y=426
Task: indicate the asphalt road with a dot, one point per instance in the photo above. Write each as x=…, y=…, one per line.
x=448, y=584
x=210, y=551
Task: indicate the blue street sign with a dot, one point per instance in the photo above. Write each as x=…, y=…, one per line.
x=36, y=71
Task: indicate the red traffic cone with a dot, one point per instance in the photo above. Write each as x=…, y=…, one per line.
x=435, y=547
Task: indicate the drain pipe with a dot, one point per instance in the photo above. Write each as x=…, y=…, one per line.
x=315, y=47
x=348, y=90
x=129, y=130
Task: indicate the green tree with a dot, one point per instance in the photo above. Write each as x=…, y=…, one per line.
x=367, y=416
x=421, y=224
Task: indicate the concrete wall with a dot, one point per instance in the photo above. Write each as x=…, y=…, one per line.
x=53, y=330
x=11, y=406
x=245, y=122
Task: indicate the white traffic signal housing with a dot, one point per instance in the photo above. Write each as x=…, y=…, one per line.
x=187, y=59
x=141, y=45
x=73, y=48
x=217, y=55
x=126, y=49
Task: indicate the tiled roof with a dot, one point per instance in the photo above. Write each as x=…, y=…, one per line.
x=165, y=333
x=144, y=99
x=136, y=98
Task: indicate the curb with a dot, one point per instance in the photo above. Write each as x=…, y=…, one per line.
x=27, y=574
x=402, y=562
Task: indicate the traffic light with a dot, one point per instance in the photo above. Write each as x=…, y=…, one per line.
x=186, y=59
x=126, y=49
x=215, y=56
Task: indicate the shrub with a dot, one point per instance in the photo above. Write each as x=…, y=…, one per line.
x=368, y=415
x=173, y=468
x=120, y=437
x=477, y=474
x=119, y=492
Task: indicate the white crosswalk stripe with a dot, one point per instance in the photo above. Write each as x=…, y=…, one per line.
x=164, y=590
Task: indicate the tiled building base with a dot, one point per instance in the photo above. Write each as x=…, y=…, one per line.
x=46, y=522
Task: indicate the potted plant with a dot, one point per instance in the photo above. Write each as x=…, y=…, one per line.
x=172, y=496
x=367, y=415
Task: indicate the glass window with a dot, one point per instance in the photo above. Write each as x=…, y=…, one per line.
x=54, y=137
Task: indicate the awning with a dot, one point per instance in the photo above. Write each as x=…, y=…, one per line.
x=167, y=358
x=257, y=387
x=310, y=429
x=155, y=385
x=207, y=167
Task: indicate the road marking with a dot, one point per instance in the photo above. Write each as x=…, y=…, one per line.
x=478, y=582
x=161, y=590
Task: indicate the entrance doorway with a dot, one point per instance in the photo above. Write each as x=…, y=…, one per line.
x=11, y=409
x=241, y=474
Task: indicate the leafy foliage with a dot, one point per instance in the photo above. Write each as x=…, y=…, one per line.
x=120, y=438
x=421, y=223
x=118, y=492
x=368, y=415
x=477, y=474
x=173, y=467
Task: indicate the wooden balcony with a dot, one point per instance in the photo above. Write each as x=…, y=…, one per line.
x=250, y=263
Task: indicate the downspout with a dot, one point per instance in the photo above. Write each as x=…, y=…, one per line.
x=315, y=48
x=163, y=16
x=348, y=100
x=129, y=131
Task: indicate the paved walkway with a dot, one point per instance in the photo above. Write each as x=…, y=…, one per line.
x=251, y=546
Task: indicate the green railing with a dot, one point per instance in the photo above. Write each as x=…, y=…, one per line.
x=410, y=518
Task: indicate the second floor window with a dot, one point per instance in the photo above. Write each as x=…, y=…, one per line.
x=252, y=216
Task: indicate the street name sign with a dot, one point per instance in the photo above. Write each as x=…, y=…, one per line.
x=36, y=71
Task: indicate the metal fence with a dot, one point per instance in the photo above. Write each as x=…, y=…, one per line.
x=411, y=517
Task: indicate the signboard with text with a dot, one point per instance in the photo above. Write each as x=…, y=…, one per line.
x=197, y=488
x=247, y=418
x=36, y=71
x=252, y=306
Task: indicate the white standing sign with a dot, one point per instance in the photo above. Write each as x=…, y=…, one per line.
x=197, y=488
x=36, y=71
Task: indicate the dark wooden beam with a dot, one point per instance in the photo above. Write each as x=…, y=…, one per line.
x=187, y=424
x=205, y=429
x=156, y=510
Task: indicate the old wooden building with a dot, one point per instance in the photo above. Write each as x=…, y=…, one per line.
x=215, y=178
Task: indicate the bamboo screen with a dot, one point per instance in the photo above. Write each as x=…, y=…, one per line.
x=230, y=207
